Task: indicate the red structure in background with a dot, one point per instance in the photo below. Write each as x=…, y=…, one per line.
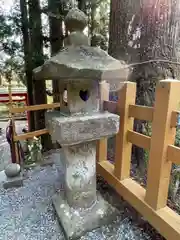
x=9, y=137
x=20, y=93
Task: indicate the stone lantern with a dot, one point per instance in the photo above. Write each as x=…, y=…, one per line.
x=79, y=68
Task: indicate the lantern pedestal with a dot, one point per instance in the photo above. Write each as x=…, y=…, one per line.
x=79, y=208
x=76, y=222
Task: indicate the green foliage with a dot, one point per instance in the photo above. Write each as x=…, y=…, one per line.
x=175, y=174
x=177, y=139
x=11, y=49
x=34, y=151
x=11, y=55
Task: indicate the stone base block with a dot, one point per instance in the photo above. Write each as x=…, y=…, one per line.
x=6, y=182
x=76, y=222
x=13, y=182
x=73, y=130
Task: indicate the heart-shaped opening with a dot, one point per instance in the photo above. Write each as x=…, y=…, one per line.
x=84, y=95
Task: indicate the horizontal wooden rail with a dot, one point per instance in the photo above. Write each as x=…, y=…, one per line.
x=174, y=117
x=135, y=111
x=33, y=108
x=138, y=139
x=141, y=112
x=30, y=135
x=165, y=220
x=110, y=106
x=173, y=154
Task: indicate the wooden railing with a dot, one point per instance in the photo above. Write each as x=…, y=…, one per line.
x=152, y=201
x=29, y=135
x=37, y=133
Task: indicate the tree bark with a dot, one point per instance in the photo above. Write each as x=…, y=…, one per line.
x=121, y=13
x=37, y=60
x=27, y=58
x=143, y=32
x=56, y=40
x=82, y=5
x=159, y=39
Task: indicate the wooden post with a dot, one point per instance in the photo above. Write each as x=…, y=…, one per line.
x=13, y=123
x=127, y=96
x=28, y=113
x=167, y=99
x=101, y=151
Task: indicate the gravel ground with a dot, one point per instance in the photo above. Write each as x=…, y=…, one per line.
x=26, y=213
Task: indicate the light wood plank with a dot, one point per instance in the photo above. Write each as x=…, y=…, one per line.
x=34, y=108
x=139, y=139
x=167, y=99
x=30, y=135
x=101, y=150
x=173, y=154
x=12, y=117
x=141, y=112
x=127, y=96
x=165, y=220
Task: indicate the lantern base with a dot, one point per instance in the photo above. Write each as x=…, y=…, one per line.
x=76, y=222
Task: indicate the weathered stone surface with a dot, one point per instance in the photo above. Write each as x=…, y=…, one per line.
x=76, y=20
x=82, y=62
x=12, y=182
x=83, y=97
x=80, y=174
x=78, y=60
x=12, y=170
x=76, y=222
x=77, y=39
x=77, y=129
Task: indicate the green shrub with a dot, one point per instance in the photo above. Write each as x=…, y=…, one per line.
x=177, y=139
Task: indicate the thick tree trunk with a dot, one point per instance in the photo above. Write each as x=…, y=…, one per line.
x=37, y=60
x=56, y=40
x=27, y=57
x=159, y=39
x=82, y=5
x=121, y=13
x=142, y=32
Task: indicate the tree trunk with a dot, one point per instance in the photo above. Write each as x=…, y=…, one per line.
x=142, y=32
x=159, y=39
x=37, y=60
x=56, y=40
x=121, y=13
x=27, y=58
x=82, y=5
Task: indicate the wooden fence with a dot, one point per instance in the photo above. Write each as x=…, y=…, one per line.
x=152, y=201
